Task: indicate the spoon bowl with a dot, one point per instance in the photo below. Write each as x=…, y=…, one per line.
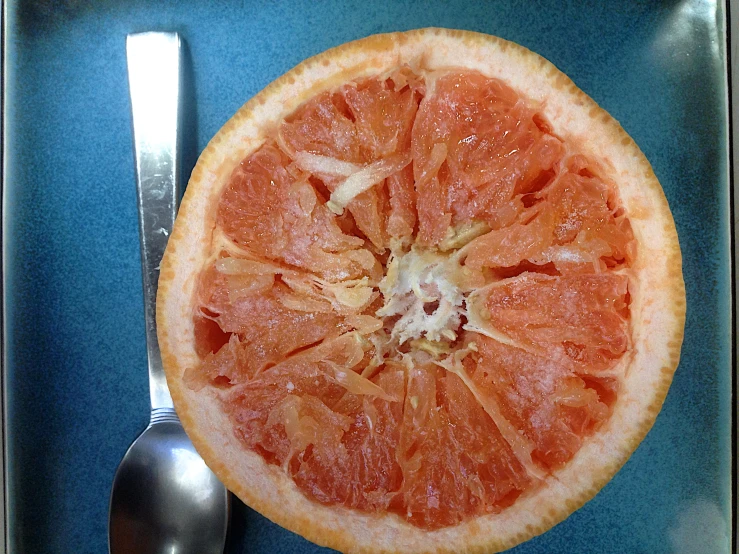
x=165, y=499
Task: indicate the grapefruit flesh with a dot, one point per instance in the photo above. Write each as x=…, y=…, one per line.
x=477, y=149
x=361, y=123
x=446, y=207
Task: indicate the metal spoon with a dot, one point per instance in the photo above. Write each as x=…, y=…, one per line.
x=164, y=498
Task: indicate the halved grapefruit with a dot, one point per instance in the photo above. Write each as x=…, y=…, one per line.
x=422, y=295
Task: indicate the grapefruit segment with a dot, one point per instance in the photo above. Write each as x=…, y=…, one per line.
x=251, y=321
x=359, y=123
x=572, y=225
x=539, y=395
x=450, y=471
x=478, y=148
x=510, y=245
x=583, y=317
x=520, y=445
x=266, y=211
x=318, y=417
x=353, y=140
x=365, y=473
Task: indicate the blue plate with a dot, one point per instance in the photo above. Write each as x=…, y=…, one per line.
x=75, y=372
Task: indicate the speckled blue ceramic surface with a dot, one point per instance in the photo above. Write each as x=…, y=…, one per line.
x=76, y=360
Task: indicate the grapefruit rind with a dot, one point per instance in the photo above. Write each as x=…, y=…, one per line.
x=657, y=306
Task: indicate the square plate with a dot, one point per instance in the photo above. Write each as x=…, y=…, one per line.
x=75, y=358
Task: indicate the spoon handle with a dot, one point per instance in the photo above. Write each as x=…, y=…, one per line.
x=154, y=82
